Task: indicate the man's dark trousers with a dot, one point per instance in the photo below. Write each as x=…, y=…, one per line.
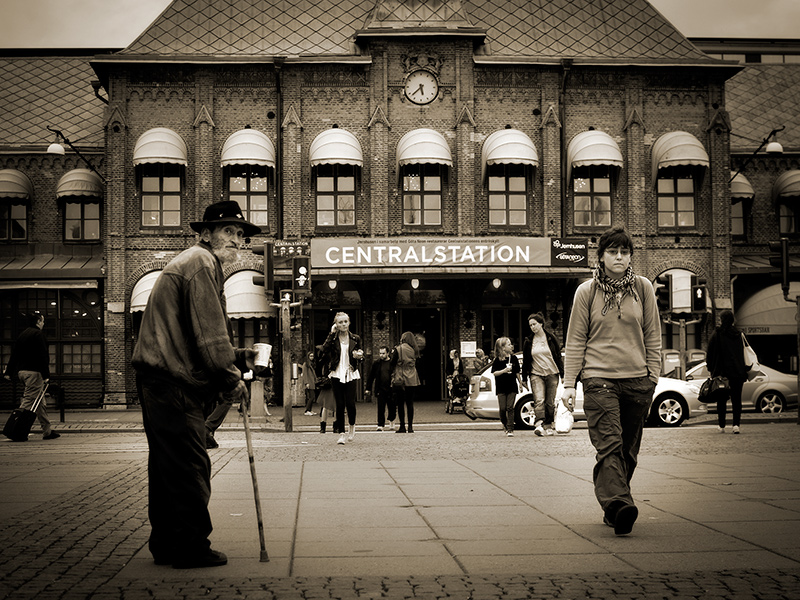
x=178, y=468
x=385, y=398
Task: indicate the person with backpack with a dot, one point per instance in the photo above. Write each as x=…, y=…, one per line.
x=725, y=357
x=614, y=345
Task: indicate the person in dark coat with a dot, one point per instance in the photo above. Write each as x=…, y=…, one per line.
x=30, y=362
x=725, y=357
x=183, y=358
x=380, y=375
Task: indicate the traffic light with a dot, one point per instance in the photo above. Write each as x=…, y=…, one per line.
x=781, y=248
x=267, y=279
x=301, y=276
x=663, y=287
x=699, y=295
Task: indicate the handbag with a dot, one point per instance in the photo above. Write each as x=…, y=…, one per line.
x=563, y=420
x=712, y=385
x=750, y=357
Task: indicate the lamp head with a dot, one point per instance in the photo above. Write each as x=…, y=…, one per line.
x=774, y=148
x=55, y=148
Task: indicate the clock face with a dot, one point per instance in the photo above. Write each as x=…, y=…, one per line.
x=421, y=87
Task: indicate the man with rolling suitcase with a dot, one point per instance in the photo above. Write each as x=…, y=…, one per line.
x=30, y=362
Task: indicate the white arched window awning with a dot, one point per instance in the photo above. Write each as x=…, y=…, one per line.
x=160, y=145
x=423, y=146
x=336, y=147
x=508, y=146
x=248, y=147
x=678, y=148
x=592, y=148
x=141, y=291
x=786, y=186
x=741, y=189
x=246, y=300
x=766, y=312
x=15, y=184
x=80, y=182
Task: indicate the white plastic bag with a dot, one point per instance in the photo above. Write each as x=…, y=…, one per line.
x=564, y=418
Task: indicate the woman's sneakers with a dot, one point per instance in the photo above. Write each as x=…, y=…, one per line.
x=342, y=439
x=735, y=429
x=352, y=433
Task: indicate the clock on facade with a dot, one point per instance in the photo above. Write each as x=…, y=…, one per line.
x=421, y=87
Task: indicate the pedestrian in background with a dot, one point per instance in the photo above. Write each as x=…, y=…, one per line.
x=725, y=357
x=380, y=377
x=507, y=379
x=327, y=403
x=614, y=346
x=308, y=379
x=342, y=350
x=405, y=379
x=542, y=366
x=30, y=363
x=183, y=358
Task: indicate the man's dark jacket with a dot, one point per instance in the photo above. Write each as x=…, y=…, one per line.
x=30, y=354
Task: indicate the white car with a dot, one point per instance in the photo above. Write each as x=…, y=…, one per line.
x=674, y=401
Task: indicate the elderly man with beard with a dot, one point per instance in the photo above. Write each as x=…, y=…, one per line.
x=183, y=358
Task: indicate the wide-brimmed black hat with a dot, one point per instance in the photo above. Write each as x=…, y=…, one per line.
x=220, y=213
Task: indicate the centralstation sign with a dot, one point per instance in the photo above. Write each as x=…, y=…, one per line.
x=445, y=252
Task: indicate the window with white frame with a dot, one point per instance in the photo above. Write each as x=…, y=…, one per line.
x=81, y=219
x=13, y=220
x=508, y=195
x=336, y=195
x=676, y=198
x=248, y=185
x=161, y=189
x=422, y=194
x=592, y=193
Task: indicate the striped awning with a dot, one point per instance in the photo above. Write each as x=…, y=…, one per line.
x=508, y=146
x=677, y=148
x=741, y=189
x=141, y=291
x=336, y=147
x=15, y=184
x=80, y=182
x=592, y=148
x=248, y=147
x=246, y=300
x=160, y=145
x=423, y=146
x=786, y=186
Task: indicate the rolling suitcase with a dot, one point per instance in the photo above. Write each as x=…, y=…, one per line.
x=21, y=420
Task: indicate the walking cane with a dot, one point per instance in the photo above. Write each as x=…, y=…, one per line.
x=264, y=555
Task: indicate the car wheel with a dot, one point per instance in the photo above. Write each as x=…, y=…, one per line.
x=668, y=411
x=770, y=402
x=524, y=416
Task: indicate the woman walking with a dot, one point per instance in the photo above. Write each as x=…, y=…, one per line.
x=505, y=367
x=342, y=350
x=405, y=379
x=542, y=365
x=725, y=357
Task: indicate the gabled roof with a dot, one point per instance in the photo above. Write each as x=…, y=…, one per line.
x=48, y=90
x=761, y=98
x=604, y=31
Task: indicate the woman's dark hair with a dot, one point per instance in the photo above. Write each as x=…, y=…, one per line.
x=538, y=316
x=611, y=238
x=726, y=319
x=33, y=319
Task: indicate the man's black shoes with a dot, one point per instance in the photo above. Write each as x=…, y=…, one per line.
x=211, y=558
x=51, y=436
x=625, y=518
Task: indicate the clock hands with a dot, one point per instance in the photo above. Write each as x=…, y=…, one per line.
x=420, y=89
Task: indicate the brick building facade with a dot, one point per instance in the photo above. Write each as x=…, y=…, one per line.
x=430, y=159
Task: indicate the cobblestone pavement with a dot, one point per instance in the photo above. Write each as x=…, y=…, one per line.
x=74, y=514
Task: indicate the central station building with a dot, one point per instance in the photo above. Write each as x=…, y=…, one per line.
x=446, y=166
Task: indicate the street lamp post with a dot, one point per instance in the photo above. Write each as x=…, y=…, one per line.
x=57, y=148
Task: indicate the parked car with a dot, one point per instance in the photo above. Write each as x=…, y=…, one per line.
x=769, y=392
x=674, y=401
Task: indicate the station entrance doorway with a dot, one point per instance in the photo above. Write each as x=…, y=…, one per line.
x=427, y=324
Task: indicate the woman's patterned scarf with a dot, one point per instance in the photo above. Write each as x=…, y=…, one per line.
x=614, y=290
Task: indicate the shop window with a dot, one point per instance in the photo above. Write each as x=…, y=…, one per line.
x=675, y=191
x=508, y=195
x=336, y=195
x=248, y=185
x=422, y=194
x=161, y=188
x=82, y=220
x=13, y=220
x=592, y=193
x=788, y=219
x=82, y=358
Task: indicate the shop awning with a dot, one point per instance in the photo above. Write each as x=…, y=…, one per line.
x=248, y=147
x=160, y=145
x=787, y=185
x=767, y=313
x=80, y=182
x=50, y=284
x=336, y=147
x=423, y=146
x=244, y=299
x=741, y=188
x=48, y=265
x=15, y=184
x=141, y=291
x=508, y=146
x=677, y=148
x=592, y=148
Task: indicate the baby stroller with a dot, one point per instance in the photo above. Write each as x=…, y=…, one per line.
x=459, y=390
